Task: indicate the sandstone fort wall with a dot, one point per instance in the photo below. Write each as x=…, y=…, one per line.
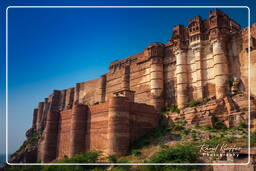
x=200, y=61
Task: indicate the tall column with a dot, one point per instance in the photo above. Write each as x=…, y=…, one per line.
x=157, y=82
x=220, y=68
x=199, y=74
x=118, y=125
x=77, y=131
x=182, y=78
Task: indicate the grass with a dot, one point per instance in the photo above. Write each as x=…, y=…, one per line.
x=193, y=103
x=172, y=108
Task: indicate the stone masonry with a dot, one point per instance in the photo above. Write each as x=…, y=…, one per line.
x=110, y=112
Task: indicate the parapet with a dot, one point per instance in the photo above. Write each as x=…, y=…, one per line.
x=155, y=50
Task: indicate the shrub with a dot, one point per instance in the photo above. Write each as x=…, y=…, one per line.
x=197, y=126
x=185, y=131
x=206, y=99
x=193, y=103
x=136, y=152
x=164, y=110
x=214, y=141
x=121, y=167
x=194, y=136
x=219, y=125
x=242, y=125
x=179, y=154
x=89, y=157
x=112, y=158
x=34, y=139
x=174, y=108
x=253, y=138
x=176, y=127
x=207, y=127
x=230, y=139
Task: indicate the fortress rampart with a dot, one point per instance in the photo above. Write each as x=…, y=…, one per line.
x=109, y=127
x=110, y=112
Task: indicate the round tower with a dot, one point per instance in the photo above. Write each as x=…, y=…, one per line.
x=118, y=125
x=155, y=52
x=34, y=118
x=49, y=143
x=77, y=131
x=220, y=67
x=39, y=115
x=182, y=78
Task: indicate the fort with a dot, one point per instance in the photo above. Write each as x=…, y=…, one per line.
x=109, y=113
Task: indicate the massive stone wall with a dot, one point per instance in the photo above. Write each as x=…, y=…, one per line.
x=109, y=127
x=200, y=60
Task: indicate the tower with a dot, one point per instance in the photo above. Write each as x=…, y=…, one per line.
x=155, y=53
x=219, y=31
x=179, y=43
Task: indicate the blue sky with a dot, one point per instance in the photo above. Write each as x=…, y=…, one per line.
x=56, y=48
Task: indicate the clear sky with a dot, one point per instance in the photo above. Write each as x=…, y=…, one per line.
x=56, y=48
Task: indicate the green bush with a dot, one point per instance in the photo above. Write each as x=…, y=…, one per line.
x=219, y=125
x=23, y=168
x=185, y=131
x=34, y=139
x=242, y=125
x=179, y=154
x=230, y=139
x=174, y=108
x=121, y=167
x=214, y=141
x=136, y=152
x=164, y=110
x=193, y=103
x=89, y=157
x=112, y=158
x=207, y=127
x=253, y=138
x=194, y=136
x=206, y=99
x=197, y=126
